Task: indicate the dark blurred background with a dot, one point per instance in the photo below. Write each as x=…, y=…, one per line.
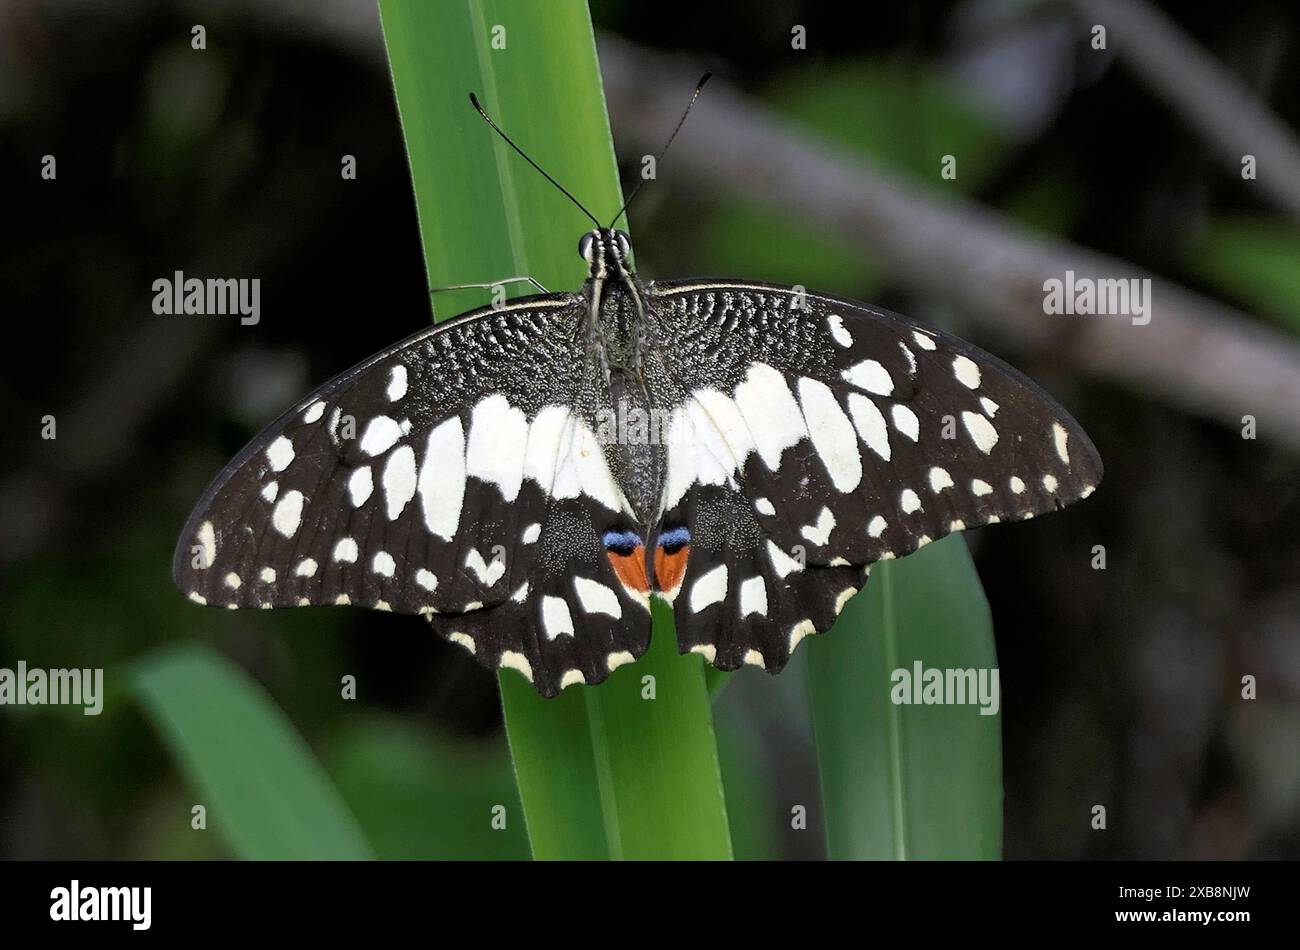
x=1120, y=687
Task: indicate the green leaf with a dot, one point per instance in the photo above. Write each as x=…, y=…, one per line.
x=598, y=774
x=265, y=793
x=1257, y=261
x=422, y=797
x=908, y=781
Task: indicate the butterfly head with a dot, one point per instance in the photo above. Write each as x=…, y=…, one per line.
x=606, y=252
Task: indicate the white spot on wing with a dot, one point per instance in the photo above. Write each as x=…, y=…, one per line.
x=1049, y=482
x=621, y=658
x=396, y=382
x=497, y=432
x=939, y=479
x=399, y=480
x=909, y=502
x=804, y=628
x=1017, y=485
x=764, y=506
x=753, y=597
x=425, y=578
x=782, y=563
x=345, y=550
x=706, y=650
x=267, y=575
x=770, y=412
x=966, y=371
x=545, y=439
x=556, y=619
x=531, y=533
x=841, y=336
x=923, y=340
x=383, y=563
x=314, y=412
x=306, y=567
x=990, y=407
x=517, y=661
x=870, y=376
x=207, y=538
x=381, y=435
x=979, y=488
x=287, y=515
x=832, y=434
x=1061, y=439
x=596, y=598
x=820, y=533
x=876, y=527
x=441, y=482
x=487, y=573
x=270, y=490
x=905, y=421
x=711, y=588
x=981, y=431
x=909, y=356
x=360, y=484
x=870, y=424
x=233, y=581
x=280, y=453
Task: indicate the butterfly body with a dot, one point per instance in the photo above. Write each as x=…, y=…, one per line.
x=527, y=477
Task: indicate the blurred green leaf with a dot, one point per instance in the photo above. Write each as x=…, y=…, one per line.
x=751, y=811
x=420, y=797
x=1257, y=261
x=485, y=215
x=905, y=116
x=264, y=791
x=908, y=781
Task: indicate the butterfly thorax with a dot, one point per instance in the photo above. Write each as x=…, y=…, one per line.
x=628, y=418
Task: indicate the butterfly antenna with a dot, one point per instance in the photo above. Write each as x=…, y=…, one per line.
x=699, y=87
x=497, y=129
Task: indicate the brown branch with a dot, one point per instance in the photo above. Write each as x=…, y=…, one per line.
x=1227, y=117
x=1195, y=353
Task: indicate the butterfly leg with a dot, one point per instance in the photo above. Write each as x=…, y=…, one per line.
x=489, y=284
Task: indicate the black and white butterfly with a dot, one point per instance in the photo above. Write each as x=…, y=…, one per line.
x=527, y=476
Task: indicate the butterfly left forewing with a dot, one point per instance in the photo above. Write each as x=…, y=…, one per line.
x=450, y=476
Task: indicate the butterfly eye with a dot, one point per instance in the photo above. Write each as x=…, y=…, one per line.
x=624, y=245
x=584, y=246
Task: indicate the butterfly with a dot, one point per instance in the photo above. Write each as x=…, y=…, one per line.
x=528, y=476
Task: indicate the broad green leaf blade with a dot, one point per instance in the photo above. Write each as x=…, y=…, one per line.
x=485, y=215
x=264, y=791
x=652, y=731
x=550, y=745
x=908, y=781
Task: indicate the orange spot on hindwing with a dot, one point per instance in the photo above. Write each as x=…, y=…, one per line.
x=626, y=553
x=671, y=555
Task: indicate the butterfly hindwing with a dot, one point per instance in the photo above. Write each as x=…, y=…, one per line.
x=839, y=436
x=449, y=476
